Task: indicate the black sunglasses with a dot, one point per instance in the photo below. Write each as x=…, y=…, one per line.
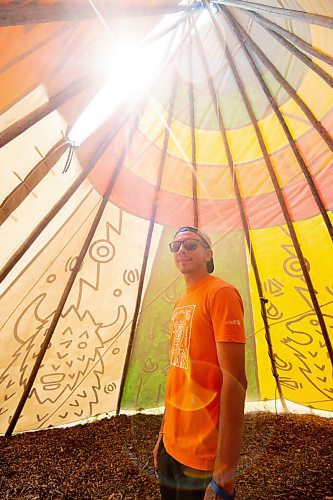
x=189, y=244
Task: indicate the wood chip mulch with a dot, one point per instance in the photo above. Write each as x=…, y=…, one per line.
x=284, y=456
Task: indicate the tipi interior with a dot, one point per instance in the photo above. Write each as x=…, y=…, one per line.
x=123, y=120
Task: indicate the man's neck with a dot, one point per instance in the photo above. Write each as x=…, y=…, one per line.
x=192, y=279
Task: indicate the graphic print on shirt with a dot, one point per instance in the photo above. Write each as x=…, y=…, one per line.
x=181, y=327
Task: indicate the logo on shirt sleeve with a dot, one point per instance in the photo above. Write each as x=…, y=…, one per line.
x=233, y=322
x=181, y=328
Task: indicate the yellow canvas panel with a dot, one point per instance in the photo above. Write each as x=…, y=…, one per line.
x=152, y=123
x=298, y=344
x=210, y=148
x=316, y=93
x=275, y=141
x=322, y=39
x=180, y=141
x=243, y=142
x=326, y=67
x=295, y=119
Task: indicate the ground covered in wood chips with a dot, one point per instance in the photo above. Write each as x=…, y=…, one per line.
x=283, y=457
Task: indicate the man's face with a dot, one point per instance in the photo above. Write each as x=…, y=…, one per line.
x=192, y=261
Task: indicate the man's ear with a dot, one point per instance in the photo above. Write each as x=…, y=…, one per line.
x=209, y=254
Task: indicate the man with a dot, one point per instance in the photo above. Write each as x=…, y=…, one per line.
x=198, y=447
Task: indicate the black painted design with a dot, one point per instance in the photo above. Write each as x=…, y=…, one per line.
x=305, y=340
x=78, y=346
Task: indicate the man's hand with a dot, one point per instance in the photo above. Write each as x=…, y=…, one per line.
x=210, y=495
x=155, y=452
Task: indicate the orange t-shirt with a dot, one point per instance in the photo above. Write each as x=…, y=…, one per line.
x=210, y=311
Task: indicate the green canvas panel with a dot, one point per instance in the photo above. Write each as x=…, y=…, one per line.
x=146, y=379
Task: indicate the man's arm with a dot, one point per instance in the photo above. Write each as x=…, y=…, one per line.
x=231, y=358
x=157, y=445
